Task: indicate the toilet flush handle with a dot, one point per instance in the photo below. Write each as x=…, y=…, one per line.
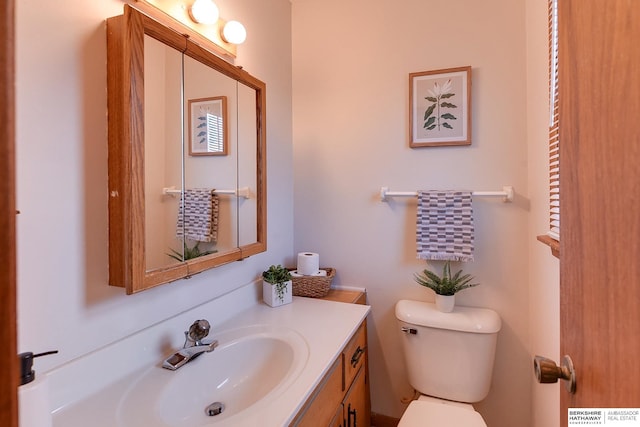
x=408, y=330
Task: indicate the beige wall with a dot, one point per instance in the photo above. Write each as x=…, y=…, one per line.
x=351, y=60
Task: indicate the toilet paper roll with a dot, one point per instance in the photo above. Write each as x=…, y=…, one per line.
x=308, y=263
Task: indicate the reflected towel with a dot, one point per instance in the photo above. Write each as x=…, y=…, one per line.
x=445, y=225
x=198, y=215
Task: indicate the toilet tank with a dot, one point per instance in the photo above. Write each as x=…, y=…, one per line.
x=449, y=355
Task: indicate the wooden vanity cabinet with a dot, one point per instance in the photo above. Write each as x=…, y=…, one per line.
x=342, y=397
x=319, y=408
x=356, y=407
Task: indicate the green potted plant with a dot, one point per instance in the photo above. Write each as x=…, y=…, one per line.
x=445, y=286
x=276, y=286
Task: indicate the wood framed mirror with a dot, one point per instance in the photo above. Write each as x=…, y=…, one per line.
x=154, y=74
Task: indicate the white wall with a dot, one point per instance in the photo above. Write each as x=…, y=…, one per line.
x=64, y=301
x=351, y=60
x=544, y=275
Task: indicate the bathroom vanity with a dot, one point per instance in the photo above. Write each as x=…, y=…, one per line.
x=342, y=398
x=306, y=364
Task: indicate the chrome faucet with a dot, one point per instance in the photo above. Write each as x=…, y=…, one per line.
x=193, y=345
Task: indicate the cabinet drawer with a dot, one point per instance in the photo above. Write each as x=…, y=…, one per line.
x=354, y=355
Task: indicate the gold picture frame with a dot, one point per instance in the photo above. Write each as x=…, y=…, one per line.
x=440, y=107
x=208, y=126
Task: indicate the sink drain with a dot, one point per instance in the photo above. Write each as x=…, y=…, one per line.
x=214, y=409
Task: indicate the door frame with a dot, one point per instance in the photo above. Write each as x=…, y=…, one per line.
x=8, y=334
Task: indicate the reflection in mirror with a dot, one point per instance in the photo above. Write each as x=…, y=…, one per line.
x=211, y=174
x=163, y=152
x=208, y=126
x=247, y=172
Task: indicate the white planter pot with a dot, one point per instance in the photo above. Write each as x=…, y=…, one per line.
x=445, y=303
x=272, y=297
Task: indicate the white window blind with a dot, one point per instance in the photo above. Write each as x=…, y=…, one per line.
x=215, y=133
x=554, y=140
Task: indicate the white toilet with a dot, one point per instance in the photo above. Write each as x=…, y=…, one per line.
x=449, y=358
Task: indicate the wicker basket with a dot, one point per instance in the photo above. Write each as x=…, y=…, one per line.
x=313, y=286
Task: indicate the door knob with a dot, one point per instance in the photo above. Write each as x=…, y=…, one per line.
x=548, y=372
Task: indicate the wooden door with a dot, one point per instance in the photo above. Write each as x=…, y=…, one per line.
x=8, y=355
x=600, y=210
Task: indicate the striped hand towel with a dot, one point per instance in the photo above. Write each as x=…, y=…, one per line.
x=198, y=215
x=445, y=225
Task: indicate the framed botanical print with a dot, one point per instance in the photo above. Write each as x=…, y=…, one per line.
x=208, y=128
x=440, y=107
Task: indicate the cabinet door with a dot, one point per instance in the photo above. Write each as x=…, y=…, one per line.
x=356, y=403
x=319, y=409
x=338, y=419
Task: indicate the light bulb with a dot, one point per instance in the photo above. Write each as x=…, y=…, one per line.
x=204, y=12
x=234, y=32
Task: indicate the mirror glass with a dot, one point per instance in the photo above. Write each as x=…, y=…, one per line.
x=187, y=156
x=211, y=172
x=247, y=172
x=163, y=152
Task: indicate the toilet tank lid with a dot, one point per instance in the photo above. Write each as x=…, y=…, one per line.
x=465, y=319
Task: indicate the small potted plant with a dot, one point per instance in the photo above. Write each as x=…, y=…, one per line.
x=276, y=286
x=445, y=286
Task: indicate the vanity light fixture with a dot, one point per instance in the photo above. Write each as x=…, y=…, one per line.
x=204, y=12
x=202, y=21
x=234, y=32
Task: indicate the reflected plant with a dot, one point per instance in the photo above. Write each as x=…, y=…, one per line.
x=437, y=95
x=189, y=253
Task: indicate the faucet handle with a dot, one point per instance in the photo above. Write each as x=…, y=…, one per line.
x=197, y=331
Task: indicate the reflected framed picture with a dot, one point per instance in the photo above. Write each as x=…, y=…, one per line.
x=440, y=107
x=208, y=128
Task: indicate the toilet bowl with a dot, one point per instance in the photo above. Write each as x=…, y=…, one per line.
x=449, y=359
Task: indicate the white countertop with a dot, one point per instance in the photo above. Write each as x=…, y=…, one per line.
x=326, y=327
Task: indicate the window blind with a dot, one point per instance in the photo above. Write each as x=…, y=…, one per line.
x=554, y=137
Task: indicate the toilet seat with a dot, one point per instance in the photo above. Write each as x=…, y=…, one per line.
x=421, y=413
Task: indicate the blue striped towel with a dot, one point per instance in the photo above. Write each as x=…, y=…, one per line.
x=198, y=215
x=445, y=225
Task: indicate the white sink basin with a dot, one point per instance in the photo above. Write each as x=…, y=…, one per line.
x=250, y=367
